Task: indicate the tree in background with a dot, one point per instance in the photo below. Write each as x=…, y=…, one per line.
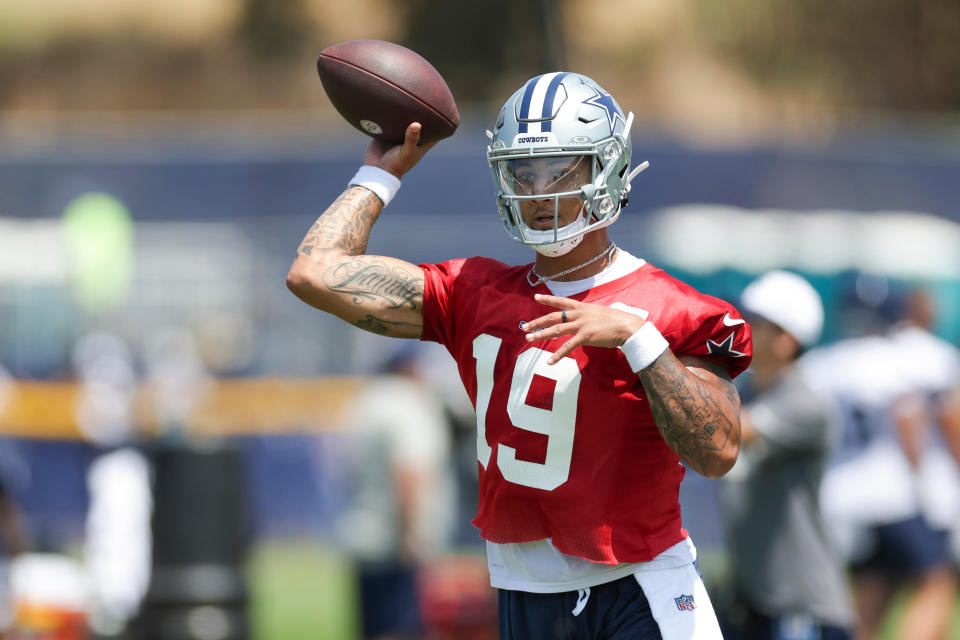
x=274, y=30
x=875, y=54
x=479, y=45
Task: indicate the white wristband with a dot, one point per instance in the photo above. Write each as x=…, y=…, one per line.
x=383, y=183
x=644, y=346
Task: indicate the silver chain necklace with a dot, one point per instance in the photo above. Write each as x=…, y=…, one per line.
x=540, y=278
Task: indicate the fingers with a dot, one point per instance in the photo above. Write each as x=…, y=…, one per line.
x=568, y=321
x=555, y=301
x=566, y=315
x=548, y=326
x=564, y=350
x=411, y=137
x=587, y=325
x=566, y=328
x=401, y=158
x=554, y=325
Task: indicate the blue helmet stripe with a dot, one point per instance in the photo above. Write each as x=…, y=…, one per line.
x=525, y=104
x=548, y=100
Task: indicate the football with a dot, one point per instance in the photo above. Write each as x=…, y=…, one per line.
x=381, y=87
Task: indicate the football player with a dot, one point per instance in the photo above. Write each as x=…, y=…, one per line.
x=890, y=491
x=596, y=376
x=770, y=499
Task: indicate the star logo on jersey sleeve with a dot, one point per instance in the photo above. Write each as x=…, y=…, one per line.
x=605, y=101
x=725, y=348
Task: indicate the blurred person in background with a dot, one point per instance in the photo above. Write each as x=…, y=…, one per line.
x=12, y=531
x=593, y=373
x=401, y=506
x=178, y=379
x=117, y=543
x=950, y=423
x=13, y=539
x=789, y=582
x=439, y=371
x=925, y=417
x=871, y=495
x=929, y=428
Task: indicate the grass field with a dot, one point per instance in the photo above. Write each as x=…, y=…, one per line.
x=303, y=590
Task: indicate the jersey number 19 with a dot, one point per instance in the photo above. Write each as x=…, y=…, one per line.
x=557, y=423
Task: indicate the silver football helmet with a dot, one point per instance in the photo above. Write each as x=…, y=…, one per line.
x=578, y=129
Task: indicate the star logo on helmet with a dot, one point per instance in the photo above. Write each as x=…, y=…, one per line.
x=605, y=101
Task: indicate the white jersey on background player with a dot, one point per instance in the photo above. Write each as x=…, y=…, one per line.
x=890, y=492
x=930, y=369
x=867, y=376
x=862, y=376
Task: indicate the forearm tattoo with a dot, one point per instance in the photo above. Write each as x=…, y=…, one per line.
x=383, y=327
x=688, y=414
x=372, y=279
x=345, y=224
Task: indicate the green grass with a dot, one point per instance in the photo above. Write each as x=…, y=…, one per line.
x=715, y=568
x=301, y=591
x=891, y=622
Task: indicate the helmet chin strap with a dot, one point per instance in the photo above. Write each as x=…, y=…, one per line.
x=560, y=247
x=555, y=249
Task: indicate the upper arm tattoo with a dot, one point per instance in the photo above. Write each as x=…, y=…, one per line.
x=372, y=279
x=345, y=224
x=688, y=413
x=377, y=294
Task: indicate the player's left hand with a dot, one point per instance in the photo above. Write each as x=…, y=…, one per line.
x=591, y=325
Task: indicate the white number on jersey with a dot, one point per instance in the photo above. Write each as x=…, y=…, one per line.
x=557, y=423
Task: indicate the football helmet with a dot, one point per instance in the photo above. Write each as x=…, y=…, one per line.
x=569, y=121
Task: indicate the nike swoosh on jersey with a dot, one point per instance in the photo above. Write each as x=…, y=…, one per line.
x=731, y=322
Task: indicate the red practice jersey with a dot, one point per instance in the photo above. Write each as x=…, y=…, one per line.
x=570, y=451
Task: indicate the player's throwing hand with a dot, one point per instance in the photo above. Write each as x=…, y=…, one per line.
x=398, y=159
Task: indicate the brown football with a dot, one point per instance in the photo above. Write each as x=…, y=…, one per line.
x=381, y=87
